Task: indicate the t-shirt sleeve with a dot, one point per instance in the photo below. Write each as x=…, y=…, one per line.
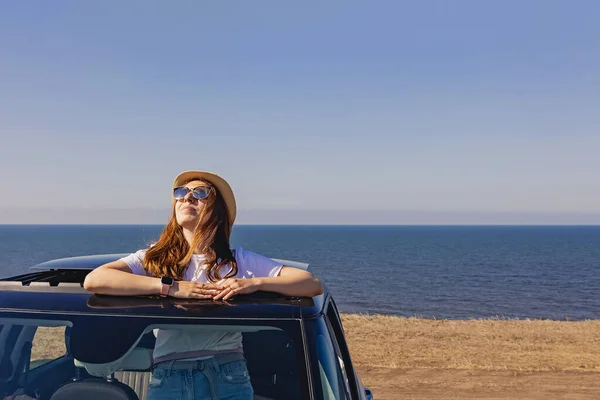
x=135, y=262
x=252, y=265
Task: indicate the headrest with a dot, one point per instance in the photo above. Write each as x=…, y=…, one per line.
x=137, y=359
x=94, y=389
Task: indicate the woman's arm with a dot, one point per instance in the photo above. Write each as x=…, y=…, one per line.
x=116, y=278
x=290, y=282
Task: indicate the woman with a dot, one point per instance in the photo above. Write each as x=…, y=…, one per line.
x=193, y=259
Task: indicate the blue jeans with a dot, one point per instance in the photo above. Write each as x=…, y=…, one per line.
x=204, y=380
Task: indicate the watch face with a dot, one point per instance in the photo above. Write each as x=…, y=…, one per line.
x=165, y=280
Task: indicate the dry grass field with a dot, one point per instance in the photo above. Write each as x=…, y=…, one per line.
x=414, y=358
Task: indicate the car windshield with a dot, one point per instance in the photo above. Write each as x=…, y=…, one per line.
x=41, y=352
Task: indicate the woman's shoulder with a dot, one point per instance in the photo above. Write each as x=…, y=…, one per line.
x=135, y=261
x=240, y=254
x=137, y=257
x=255, y=264
x=139, y=253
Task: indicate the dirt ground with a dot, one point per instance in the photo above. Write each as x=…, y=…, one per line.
x=413, y=358
x=418, y=384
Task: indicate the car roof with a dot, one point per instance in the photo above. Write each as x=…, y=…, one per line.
x=55, y=286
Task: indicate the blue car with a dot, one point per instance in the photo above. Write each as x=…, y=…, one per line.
x=59, y=341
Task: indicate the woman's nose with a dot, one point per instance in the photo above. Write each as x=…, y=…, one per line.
x=189, y=197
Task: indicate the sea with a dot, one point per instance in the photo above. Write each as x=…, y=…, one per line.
x=443, y=272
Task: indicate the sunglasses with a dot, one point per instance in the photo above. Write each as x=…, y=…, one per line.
x=199, y=192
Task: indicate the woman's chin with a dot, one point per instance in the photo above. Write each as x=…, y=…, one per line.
x=188, y=221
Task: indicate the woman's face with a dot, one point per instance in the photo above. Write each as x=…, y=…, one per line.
x=188, y=209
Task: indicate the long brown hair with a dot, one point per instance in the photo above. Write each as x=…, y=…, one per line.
x=171, y=254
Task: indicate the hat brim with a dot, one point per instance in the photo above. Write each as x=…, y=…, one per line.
x=218, y=182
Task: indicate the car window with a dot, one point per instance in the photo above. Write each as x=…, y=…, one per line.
x=331, y=377
x=338, y=339
x=41, y=354
x=25, y=347
x=48, y=344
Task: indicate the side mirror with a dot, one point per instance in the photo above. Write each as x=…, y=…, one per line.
x=368, y=393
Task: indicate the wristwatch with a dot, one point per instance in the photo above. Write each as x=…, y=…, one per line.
x=166, y=283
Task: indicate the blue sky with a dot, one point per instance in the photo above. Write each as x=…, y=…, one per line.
x=344, y=112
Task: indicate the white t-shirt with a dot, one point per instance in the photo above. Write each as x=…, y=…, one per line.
x=250, y=265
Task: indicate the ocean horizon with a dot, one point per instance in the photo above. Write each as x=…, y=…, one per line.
x=151, y=216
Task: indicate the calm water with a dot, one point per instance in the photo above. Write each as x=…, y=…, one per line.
x=442, y=272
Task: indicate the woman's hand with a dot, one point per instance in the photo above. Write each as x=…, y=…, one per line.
x=233, y=286
x=194, y=290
